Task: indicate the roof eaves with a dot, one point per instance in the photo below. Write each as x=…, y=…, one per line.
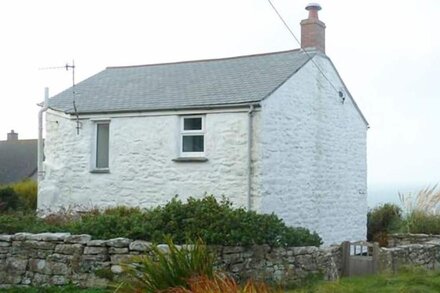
x=195, y=107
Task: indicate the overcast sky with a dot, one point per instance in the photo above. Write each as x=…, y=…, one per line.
x=387, y=52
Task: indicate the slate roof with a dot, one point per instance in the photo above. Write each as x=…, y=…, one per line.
x=192, y=84
x=18, y=160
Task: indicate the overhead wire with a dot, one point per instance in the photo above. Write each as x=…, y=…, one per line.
x=340, y=93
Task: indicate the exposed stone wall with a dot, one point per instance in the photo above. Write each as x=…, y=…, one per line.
x=61, y=258
x=405, y=239
x=426, y=255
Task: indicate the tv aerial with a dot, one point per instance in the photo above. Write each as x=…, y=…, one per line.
x=71, y=67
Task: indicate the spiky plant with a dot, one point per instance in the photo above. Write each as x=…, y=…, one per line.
x=168, y=267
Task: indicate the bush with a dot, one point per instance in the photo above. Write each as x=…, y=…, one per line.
x=18, y=222
x=27, y=192
x=212, y=221
x=381, y=221
x=133, y=223
x=218, y=223
x=9, y=200
x=20, y=196
x=421, y=222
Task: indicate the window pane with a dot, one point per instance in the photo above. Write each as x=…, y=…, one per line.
x=193, y=143
x=102, y=145
x=192, y=123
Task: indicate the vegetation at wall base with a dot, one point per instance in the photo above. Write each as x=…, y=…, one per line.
x=409, y=279
x=215, y=222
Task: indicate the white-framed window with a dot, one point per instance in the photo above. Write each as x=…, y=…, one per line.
x=101, y=146
x=192, y=136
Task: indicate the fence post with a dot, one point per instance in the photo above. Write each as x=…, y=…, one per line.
x=346, y=258
x=375, y=257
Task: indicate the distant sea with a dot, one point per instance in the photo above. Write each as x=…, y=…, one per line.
x=389, y=193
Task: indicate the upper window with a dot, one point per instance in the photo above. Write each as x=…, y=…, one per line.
x=101, y=151
x=192, y=136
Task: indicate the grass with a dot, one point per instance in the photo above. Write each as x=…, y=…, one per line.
x=408, y=280
x=65, y=289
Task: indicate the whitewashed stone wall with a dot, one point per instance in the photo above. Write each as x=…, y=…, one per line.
x=142, y=172
x=314, y=156
x=308, y=160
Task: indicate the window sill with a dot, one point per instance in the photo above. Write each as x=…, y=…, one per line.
x=190, y=159
x=100, y=171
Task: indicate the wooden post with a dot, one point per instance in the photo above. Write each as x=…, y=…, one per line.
x=375, y=257
x=346, y=258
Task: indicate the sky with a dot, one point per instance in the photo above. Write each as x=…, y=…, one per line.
x=387, y=52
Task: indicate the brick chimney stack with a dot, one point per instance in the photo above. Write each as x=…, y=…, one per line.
x=313, y=30
x=12, y=136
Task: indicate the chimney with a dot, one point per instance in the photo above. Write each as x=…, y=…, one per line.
x=313, y=30
x=12, y=136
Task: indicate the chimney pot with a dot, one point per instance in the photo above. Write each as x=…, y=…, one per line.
x=313, y=9
x=313, y=30
x=12, y=136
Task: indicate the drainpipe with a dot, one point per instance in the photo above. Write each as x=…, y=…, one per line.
x=249, y=155
x=40, y=134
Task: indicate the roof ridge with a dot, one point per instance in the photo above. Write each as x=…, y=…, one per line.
x=205, y=60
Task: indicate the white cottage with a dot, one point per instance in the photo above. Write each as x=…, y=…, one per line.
x=276, y=132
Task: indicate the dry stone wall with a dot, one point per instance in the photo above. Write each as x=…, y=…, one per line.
x=405, y=239
x=60, y=258
x=426, y=255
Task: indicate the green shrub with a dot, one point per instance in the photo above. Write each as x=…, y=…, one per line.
x=212, y=221
x=9, y=200
x=27, y=192
x=168, y=268
x=20, y=196
x=133, y=223
x=218, y=223
x=421, y=222
x=381, y=221
x=11, y=223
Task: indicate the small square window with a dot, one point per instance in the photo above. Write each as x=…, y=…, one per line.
x=193, y=143
x=192, y=136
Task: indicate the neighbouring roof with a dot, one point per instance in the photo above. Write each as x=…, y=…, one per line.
x=192, y=84
x=18, y=160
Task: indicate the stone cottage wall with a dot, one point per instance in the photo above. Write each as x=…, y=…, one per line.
x=142, y=167
x=314, y=169
x=61, y=258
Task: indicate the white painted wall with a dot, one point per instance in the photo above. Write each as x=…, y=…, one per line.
x=309, y=160
x=142, y=172
x=314, y=156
